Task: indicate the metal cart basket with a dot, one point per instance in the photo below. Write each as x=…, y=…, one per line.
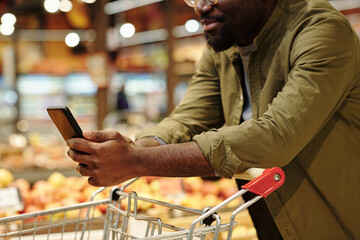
x=80, y=221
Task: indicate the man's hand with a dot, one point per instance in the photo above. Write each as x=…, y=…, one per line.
x=109, y=158
x=106, y=157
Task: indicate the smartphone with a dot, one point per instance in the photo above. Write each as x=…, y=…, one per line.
x=65, y=122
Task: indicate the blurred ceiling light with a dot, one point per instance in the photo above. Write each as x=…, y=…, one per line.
x=150, y=36
x=72, y=39
x=124, y=5
x=127, y=30
x=6, y=29
x=8, y=19
x=89, y=1
x=192, y=25
x=52, y=5
x=66, y=5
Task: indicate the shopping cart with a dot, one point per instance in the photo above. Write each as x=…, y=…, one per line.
x=80, y=221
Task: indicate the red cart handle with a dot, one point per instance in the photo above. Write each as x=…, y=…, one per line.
x=267, y=182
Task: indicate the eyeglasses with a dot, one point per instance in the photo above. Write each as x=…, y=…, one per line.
x=193, y=3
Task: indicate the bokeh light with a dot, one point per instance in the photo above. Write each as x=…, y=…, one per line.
x=66, y=6
x=192, y=25
x=8, y=19
x=52, y=6
x=127, y=30
x=7, y=29
x=89, y=1
x=72, y=39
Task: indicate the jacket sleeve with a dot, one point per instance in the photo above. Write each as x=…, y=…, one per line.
x=321, y=75
x=198, y=111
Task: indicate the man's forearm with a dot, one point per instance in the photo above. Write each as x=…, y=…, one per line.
x=173, y=160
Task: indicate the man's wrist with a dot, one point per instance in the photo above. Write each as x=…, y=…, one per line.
x=161, y=142
x=147, y=142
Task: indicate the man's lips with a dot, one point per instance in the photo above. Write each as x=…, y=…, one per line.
x=211, y=23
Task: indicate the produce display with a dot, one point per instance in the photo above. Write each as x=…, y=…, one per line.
x=36, y=151
x=59, y=190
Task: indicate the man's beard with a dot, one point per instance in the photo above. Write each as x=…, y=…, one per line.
x=221, y=42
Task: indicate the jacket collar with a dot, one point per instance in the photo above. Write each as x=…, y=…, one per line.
x=272, y=24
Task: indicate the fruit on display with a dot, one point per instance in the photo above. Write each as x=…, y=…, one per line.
x=58, y=190
x=45, y=152
x=6, y=177
x=56, y=180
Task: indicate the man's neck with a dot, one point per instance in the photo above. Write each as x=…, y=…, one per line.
x=269, y=8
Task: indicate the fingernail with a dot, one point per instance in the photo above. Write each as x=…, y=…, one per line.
x=86, y=133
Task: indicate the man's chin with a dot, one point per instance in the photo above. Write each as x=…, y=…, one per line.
x=218, y=43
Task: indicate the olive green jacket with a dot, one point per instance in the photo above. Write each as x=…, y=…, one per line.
x=305, y=92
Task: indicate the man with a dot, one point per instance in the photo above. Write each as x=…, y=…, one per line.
x=295, y=66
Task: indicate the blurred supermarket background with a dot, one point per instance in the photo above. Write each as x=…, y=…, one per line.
x=119, y=65
x=116, y=64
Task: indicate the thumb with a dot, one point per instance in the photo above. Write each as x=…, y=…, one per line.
x=101, y=136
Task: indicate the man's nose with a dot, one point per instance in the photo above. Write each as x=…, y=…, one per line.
x=202, y=7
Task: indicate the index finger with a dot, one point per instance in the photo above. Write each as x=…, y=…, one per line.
x=102, y=136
